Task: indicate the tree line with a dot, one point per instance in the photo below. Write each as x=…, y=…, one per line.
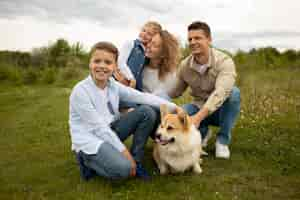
x=62, y=54
x=61, y=61
x=59, y=54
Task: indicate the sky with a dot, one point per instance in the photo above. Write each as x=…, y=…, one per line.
x=235, y=24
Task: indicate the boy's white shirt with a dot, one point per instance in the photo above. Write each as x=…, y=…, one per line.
x=107, y=113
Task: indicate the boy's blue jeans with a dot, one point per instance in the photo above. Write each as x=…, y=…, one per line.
x=224, y=117
x=109, y=162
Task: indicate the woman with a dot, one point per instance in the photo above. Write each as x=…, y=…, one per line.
x=159, y=74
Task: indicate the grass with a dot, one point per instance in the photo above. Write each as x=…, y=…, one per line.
x=37, y=162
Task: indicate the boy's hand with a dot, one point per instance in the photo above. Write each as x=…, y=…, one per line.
x=133, y=164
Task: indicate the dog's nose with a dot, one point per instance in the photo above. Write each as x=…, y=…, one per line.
x=158, y=136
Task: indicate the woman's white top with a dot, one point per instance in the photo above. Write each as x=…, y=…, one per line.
x=152, y=84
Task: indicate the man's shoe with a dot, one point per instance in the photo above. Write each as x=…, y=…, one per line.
x=142, y=173
x=222, y=151
x=206, y=139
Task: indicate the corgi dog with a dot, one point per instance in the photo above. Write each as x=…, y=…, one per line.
x=177, y=146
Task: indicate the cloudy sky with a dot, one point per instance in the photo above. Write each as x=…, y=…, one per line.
x=235, y=24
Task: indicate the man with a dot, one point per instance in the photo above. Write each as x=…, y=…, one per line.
x=211, y=75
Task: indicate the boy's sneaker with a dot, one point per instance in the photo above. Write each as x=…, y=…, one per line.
x=222, y=151
x=142, y=173
x=85, y=172
x=206, y=139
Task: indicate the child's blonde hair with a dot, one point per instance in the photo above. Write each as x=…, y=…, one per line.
x=155, y=26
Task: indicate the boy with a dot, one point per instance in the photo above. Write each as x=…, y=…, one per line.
x=97, y=129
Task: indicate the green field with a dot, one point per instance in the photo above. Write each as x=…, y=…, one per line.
x=37, y=162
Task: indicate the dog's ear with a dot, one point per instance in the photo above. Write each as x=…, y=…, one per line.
x=185, y=120
x=163, y=111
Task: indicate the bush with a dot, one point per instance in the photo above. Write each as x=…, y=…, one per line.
x=69, y=73
x=30, y=76
x=11, y=73
x=16, y=76
x=69, y=76
x=49, y=75
x=4, y=73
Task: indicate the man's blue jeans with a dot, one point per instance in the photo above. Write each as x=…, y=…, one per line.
x=109, y=162
x=224, y=117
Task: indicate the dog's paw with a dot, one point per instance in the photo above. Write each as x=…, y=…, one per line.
x=203, y=153
x=200, y=160
x=197, y=169
x=163, y=170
